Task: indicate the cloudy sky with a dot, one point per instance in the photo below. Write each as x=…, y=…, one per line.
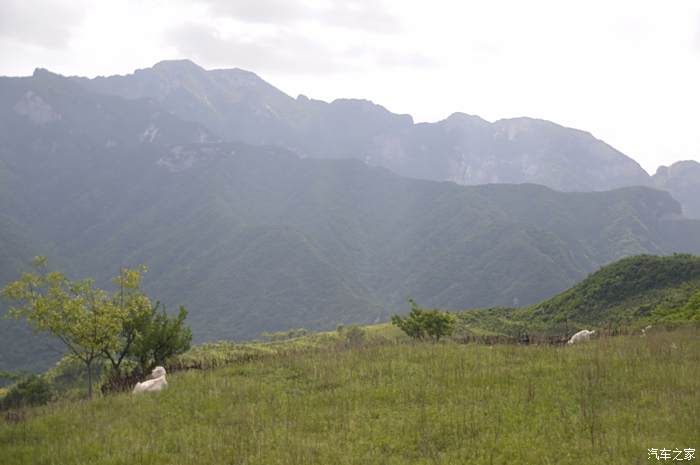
x=626, y=70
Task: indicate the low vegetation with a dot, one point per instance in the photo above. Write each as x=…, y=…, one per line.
x=606, y=401
x=380, y=394
x=422, y=323
x=629, y=294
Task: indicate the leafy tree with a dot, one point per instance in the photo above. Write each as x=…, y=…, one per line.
x=438, y=324
x=135, y=311
x=412, y=324
x=421, y=323
x=95, y=325
x=83, y=317
x=161, y=337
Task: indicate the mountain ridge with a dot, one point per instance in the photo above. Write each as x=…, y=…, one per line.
x=682, y=179
x=465, y=150
x=258, y=238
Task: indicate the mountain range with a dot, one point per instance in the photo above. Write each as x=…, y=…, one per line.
x=260, y=212
x=237, y=105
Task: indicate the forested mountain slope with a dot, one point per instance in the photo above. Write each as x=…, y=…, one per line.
x=255, y=238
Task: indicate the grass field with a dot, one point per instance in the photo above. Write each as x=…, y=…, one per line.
x=604, y=402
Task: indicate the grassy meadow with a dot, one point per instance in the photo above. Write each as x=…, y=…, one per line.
x=602, y=402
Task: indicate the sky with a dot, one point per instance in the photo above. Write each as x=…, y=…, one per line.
x=628, y=71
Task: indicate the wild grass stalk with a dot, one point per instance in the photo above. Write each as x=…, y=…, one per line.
x=602, y=402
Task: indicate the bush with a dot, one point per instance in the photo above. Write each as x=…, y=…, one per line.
x=353, y=336
x=29, y=391
x=691, y=310
x=422, y=323
x=161, y=338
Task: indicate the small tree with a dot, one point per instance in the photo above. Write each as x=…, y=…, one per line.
x=161, y=337
x=421, y=323
x=83, y=317
x=94, y=325
x=135, y=311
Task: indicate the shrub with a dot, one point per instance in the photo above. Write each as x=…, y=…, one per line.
x=32, y=390
x=421, y=323
x=161, y=338
x=353, y=336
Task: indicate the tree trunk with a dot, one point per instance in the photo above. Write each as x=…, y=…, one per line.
x=89, y=370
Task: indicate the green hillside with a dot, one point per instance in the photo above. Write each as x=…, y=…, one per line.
x=631, y=293
x=604, y=402
x=379, y=397
x=256, y=238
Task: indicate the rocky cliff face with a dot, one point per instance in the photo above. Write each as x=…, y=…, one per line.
x=468, y=150
x=682, y=180
x=239, y=106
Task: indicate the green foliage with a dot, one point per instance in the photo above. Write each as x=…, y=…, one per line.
x=84, y=318
x=94, y=325
x=421, y=323
x=13, y=375
x=136, y=313
x=28, y=391
x=7, y=377
x=353, y=336
x=645, y=287
x=223, y=353
x=280, y=242
x=691, y=310
x=632, y=292
x=160, y=338
x=68, y=377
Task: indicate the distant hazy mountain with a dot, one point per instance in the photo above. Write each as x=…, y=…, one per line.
x=239, y=106
x=255, y=238
x=682, y=180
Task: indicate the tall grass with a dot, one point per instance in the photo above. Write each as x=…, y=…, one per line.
x=603, y=402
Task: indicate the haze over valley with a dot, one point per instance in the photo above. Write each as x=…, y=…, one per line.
x=262, y=212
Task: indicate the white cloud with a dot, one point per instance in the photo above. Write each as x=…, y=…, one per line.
x=286, y=51
x=368, y=15
x=47, y=24
x=282, y=51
